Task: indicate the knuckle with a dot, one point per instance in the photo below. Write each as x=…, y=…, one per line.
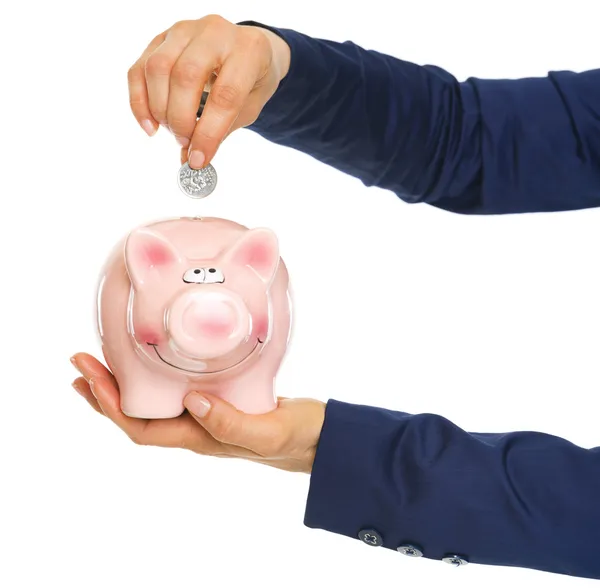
x=134, y=73
x=225, y=96
x=137, y=105
x=187, y=73
x=180, y=27
x=204, y=135
x=135, y=99
x=255, y=39
x=158, y=64
x=214, y=20
x=179, y=126
x=222, y=429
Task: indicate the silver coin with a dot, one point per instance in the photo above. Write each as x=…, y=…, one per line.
x=197, y=183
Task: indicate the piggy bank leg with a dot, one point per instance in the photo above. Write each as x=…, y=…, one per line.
x=251, y=394
x=145, y=396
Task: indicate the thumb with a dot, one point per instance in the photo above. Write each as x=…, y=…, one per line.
x=227, y=424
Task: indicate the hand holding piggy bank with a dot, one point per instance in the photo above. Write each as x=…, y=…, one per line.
x=194, y=304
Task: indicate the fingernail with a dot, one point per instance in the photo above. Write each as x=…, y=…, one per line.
x=183, y=141
x=75, y=364
x=77, y=389
x=196, y=159
x=92, y=384
x=149, y=127
x=197, y=405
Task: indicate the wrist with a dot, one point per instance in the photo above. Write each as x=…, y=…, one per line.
x=280, y=50
x=281, y=54
x=315, y=428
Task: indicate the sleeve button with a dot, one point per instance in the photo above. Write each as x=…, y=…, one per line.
x=370, y=537
x=410, y=550
x=455, y=560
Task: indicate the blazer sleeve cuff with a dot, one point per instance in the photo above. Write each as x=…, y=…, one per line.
x=297, y=87
x=346, y=495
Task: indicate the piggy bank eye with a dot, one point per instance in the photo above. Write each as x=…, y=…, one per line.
x=213, y=276
x=194, y=276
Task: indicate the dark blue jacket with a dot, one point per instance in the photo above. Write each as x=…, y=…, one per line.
x=418, y=483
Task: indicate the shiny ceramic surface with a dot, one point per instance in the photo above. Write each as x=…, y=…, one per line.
x=194, y=304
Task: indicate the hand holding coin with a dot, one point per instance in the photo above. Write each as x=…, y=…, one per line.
x=198, y=183
x=167, y=82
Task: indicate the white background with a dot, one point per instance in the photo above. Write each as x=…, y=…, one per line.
x=491, y=322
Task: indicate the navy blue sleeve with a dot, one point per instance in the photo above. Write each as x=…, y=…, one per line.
x=523, y=499
x=472, y=147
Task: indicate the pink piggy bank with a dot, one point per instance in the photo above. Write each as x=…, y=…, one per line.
x=194, y=304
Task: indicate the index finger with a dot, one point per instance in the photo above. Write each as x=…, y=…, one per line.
x=138, y=91
x=230, y=91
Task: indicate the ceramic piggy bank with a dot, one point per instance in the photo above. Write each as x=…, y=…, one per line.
x=194, y=304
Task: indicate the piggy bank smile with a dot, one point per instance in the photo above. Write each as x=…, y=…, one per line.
x=209, y=329
x=203, y=317
x=184, y=301
x=202, y=368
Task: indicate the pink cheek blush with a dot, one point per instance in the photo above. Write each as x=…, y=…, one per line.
x=166, y=330
x=146, y=335
x=261, y=327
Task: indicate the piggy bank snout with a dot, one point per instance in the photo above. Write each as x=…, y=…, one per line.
x=208, y=324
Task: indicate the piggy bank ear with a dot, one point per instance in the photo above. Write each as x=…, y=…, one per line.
x=147, y=255
x=259, y=250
